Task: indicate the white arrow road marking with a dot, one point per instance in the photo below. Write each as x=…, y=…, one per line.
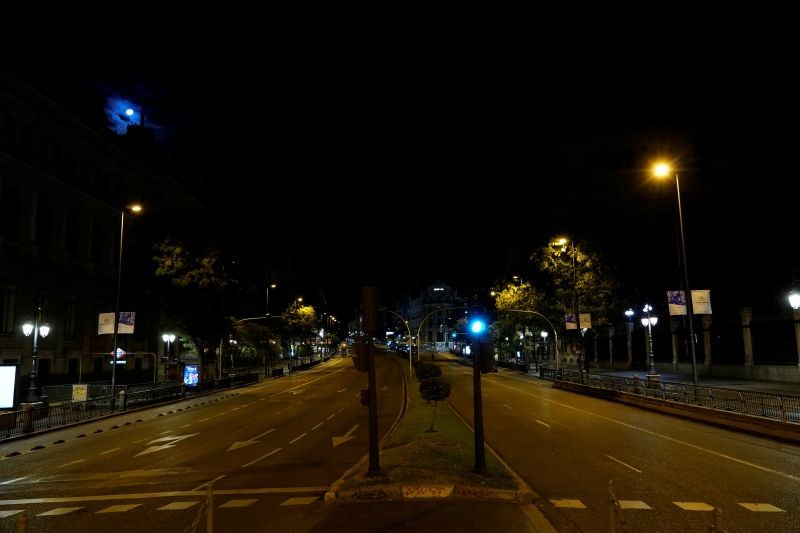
x=243, y=443
x=347, y=436
x=171, y=441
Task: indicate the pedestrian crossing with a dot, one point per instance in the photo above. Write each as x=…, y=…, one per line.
x=172, y=506
x=567, y=503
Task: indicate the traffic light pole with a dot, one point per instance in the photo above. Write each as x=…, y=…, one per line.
x=477, y=402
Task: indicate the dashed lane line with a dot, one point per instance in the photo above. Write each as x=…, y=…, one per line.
x=58, y=511
x=237, y=503
x=624, y=464
x=119, y=508
x=177, y=506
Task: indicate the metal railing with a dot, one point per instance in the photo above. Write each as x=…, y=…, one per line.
x=782, y=407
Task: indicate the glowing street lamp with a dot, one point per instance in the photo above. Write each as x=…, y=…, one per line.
x=663, y=170
x=794, y=301
x=169, y=338
x=270, y=286
x=649, y=321
x=37, y=329
x=135, y=208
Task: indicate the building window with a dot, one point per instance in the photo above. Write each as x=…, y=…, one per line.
x=8, y=297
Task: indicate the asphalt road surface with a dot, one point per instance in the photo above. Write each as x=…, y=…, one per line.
x=269, y=450
x=668, y=473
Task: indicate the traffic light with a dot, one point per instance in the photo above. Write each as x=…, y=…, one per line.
x=478, y=327
x=477, y=321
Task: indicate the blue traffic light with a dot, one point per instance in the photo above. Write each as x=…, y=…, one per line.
x=477, y=326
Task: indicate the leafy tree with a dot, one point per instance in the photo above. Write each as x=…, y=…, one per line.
x=436, y=388
x=509, y=325
x=593, y=282
x=194, y=290
x=299, y=320
x=427, y=370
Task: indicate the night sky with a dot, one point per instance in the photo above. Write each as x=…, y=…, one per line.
x=408, y=171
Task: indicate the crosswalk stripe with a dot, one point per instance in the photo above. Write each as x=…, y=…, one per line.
x=237, y=503
x=694, y=506
x=58, y=511
x=573, y=504
x=177, y=506
x=300, y=501
x=762, y=508
x=633, y=504
x=120, y=508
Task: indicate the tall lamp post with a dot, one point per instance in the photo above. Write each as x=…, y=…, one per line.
x=649, y=321
x=794, y=301
x=663, y=170
x=575, y=310
x=135, y=208
x=169, y=338
x=37, y=329
x=270, y=286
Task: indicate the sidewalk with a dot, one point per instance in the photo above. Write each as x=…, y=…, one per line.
x=773, y=387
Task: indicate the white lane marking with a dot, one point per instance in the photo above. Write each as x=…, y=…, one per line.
x=170, y=494
x=309, y=382
x=207, y=482
x=347, y=436
x=167, y=431
x=184, y=426
x=59, y=511
x=177, y=506
x=119, y=508
x=694, y=506
x=340, y=410
x=571, y=504
x=334, y=414
x=109, y=451
x=71, y=463
x=297, y=438
x=543, y=423
x=10, y=512
x=276, y=450
x=10, y=481
x=237, y=503
x=507, y=406
x=305, y=500
x=624, y=464
x=633, y=504
x=204, y=419
x=170, y=442
x=653, y=433
x=241, y=444
x=318, y=425
x=762, y=508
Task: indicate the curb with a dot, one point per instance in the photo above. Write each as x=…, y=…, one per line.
x=378, y=493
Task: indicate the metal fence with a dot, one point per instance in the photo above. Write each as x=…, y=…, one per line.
x=783, y=407
x=62, y=410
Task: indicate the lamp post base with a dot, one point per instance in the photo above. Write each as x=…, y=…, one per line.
x=653, y=378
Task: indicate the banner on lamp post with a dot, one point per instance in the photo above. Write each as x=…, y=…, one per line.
x=105, y=323
x=571, y=323
x=701, y=302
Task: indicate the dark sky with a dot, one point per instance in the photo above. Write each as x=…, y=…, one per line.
x=417, y=168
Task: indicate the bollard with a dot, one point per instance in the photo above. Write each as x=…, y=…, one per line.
x=22, y=522
x=27, y=418
x=716, y=527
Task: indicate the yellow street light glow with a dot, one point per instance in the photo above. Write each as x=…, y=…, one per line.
x=661, y=170
x=135, y=208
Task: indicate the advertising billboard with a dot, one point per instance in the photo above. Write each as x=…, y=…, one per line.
x=190, y=376
x=8, y=380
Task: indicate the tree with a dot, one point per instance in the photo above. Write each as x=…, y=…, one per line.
x=510, y=325
x=194, y=290
x=595, y=286
x=435, y=389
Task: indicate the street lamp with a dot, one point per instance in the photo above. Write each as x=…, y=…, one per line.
x=517, y=278
x=37, y=329
x=135, y=208
x=649, y=321
x=270, y=286
x=575, y=311
x=794, y=301
x=663, y=170
x=169, y=338
x=544, y=334
x=234, y=345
